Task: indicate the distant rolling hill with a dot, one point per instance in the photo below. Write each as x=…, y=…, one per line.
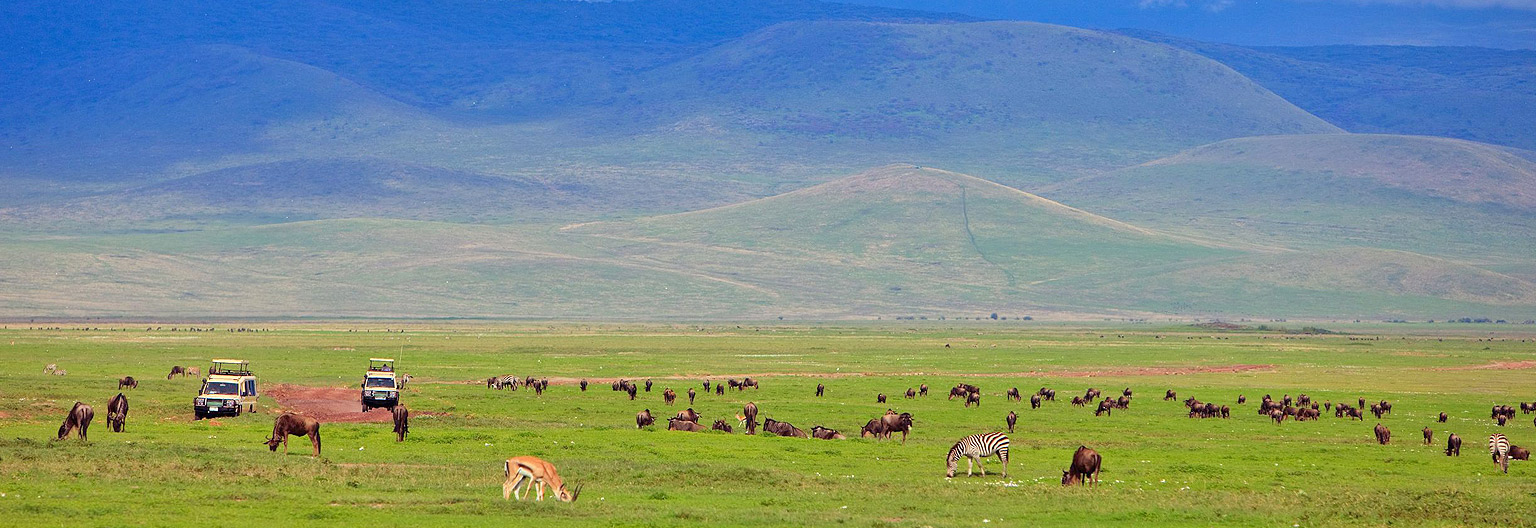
x=895, y=241
x=1462, y=200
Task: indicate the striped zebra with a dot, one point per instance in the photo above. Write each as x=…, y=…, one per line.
x=509, y=381
x=976, y=447
x=1498, y=446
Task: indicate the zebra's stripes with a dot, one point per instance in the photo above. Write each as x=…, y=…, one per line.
x=977, y=447
x=1498, y=446
x=509, y=381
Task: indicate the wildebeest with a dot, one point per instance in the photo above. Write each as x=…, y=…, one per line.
x=973, y=398
x=719, y=389
x=911, y=394
x=748, y=382
x=1242, y=399
x=1034, y=401
x=706, y=385
x=647, y=385
x=535, y=472
x=874, y=428
x=177, y=371
x=687, y=415
x=1012, y=419
x=1453, y=445
x=823, y=433
x=295, y=425
x=1429, y=436
x=892, y=422
x=1527, y=408
x=720, y=425
x=127, y=381
x=1091, y=394
x=1519, y=453
x=117, y=413
x=1377, y=410
x=1105, y=407
x=668, y=397
x=1443, y=417
x=1362, y=403
x=749, y=414
x=1126, y=392
x=1013, y=394
x=631, y=390
x=402, y=418
x=690, y=395
x=79, y=418
x=880, y=398
x=643, y=419
x=1383, y=435
x=922, y=390
x=1170, y=395
x=820, y=390
x=782, y=428
x=675, y=424
x=1277, y=415
x=583, y=385
x=1084, y=469
x=1048, y=393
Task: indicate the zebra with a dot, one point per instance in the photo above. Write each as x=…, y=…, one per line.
x=976, y=447
x=1498, y=446
x=509, y=381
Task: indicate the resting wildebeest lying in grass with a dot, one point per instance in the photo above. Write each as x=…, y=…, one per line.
x=79, y=418
x=402, y=417
x=687, y=415
x=1519, y=453
x=675, y=424
x=293, y=424
x=127, y=381
x=782, y=428
x=1084, y=469
x=535, y=472
x=117, y=413
x=720, y=425
x=823, y=433
x=643, y=419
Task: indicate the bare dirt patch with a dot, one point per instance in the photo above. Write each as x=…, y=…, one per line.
x=327, y=404
x=1496, y=365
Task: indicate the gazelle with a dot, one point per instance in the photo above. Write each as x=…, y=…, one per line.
x=536, y=473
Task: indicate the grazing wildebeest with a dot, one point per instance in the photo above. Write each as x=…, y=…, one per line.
x=973, y=398
x=127, y=381
x=675, y=424
x=1034, y=401
x=922, y=390
x=749, y=417
x=719, y=389
x=643, y=419
x=956, y=391
x=1383, y=435
x=647, y=385
x=1386, y=407
x=402, y=417
x=1013, y=394
x=1377, y=410
x=668, y=397
x=706, y=385
x=1091, y=394
x=880, y=398
x=632, y=390
x=975, y=448
x=177, y=371
x=1429, y=436
x=911, y=394
x=117, y=413
x=1170, y=395
x=1527, y=408
x=748, y=382
x=820, y=390
x=1012, y=419
x=1084, y=469
x=1502, y=420
x=782, y=428
x=535, y=472
x=295, y=425
x=1105, y=407
x=1277, y=415
x=1453, y=445
x=691, y=394
x=1362, y=403
x=823, y=433
x=893, y=422
x=1519, y=453
x=687, y=415
x=720, y=425
x=1242, y=399
x=79, y=418
x=583, y=385
x=874, y=428
x=1444, y=417
x=1126, y=392
x=1327, y=406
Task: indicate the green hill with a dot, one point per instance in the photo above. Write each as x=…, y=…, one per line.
x=1457, y=199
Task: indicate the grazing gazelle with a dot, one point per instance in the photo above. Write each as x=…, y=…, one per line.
x=536, y=473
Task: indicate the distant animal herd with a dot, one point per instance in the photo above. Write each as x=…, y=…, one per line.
x=524, y=474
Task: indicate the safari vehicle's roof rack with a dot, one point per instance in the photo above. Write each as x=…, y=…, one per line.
x=381, y=365
x=230, y=367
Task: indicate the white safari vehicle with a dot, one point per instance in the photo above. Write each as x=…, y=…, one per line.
x=380, y=388
x=229, y=389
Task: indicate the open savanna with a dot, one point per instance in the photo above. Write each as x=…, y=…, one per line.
x=1160, y=467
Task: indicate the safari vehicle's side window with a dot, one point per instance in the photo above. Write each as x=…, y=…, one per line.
x=250, y=388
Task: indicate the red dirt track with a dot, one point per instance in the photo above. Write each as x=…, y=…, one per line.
x=327, y=404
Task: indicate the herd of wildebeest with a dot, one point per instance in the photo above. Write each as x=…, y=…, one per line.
x=527, y=472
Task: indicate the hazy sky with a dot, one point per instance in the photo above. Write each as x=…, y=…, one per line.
x=1491, y=23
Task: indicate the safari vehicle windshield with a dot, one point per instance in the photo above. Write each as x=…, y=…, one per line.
x=379, y=382
x=221, y=387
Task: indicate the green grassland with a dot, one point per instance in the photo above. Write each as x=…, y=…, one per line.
x=1161, y=468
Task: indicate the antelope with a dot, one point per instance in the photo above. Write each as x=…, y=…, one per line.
x=536, y=473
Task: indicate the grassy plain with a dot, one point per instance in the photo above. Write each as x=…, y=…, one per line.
x=1161, y=468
